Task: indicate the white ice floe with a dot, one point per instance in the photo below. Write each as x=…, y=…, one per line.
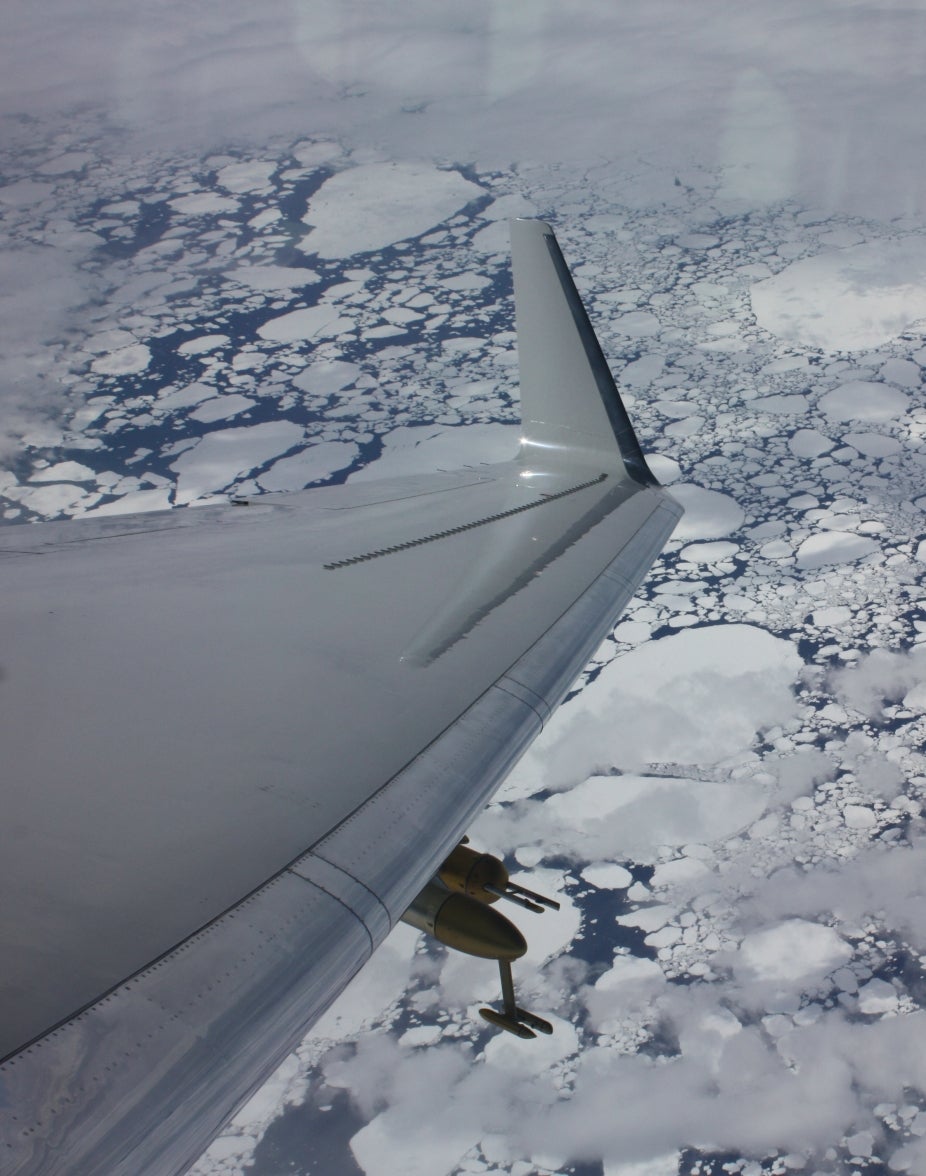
x=64, y=471
x=607, y=876
x=379, y=204
x=314, y=464
x=665, y=469
x=323, y=377
x=312, y=322
x=698, y=696
x=865, y=400
x=272, y=278
x=859, y=816
x=55, y=498
x=125, y=361
x=630, y=970
x=631, y=818
x=220, y=408
x=190, y=394
x=678, y=871
x=222, y=457
x=795, y=950
x=847, y=299
x=642, y=372
x=647, y=918
x=203, y=204
x=250, y=176
x=781, y=405
x=709, y=514
x=877, y=996
x=201, y=344
x=873, y=444
x=833, y=547
x=665, y=1165
x=637, y=323
x=809, y=443
x=25, y=193
x=708, y=553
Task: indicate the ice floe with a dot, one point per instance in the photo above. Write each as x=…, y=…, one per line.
x=223, y=456
x=864, y=400
x=795, y=950
x=833, y=547
x=312, y=322
x=709, y=514
x=316, y=463
x=379, y=204
x=848, y=299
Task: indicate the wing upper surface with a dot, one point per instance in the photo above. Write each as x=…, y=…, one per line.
x=238, y=740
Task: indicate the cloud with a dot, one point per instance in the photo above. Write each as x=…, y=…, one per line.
x=880, y=678
x=415, y=80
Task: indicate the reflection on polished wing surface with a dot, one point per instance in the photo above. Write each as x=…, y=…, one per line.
x=238, y=741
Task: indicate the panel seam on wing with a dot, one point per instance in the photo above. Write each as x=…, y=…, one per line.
x=355, y=559
x=341, y=902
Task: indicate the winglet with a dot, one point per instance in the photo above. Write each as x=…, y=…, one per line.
x=571, y=409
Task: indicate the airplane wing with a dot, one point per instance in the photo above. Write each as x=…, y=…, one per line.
x=239, y=740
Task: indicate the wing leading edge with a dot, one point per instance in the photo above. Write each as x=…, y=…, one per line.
x=264, y=728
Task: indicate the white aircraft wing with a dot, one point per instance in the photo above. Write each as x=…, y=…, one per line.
x=238, y=741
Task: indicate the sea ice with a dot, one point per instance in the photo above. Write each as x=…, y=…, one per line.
x=221, y=408
x=123, y=362
x=607, y=877
x=201, y=344
x=877, y=996
x=311, y=322
x=795, y=950
x=203, y=204
x=708, y=553
x=809, y=443
x=833, y=547
x=64, y=471
x=847, y=299
x=378, y=204
x=314, y=464
x=272, y=277
x=709, y=514
x=225, y=455
x=632, y=818
x=698, y=696
x=864, y=400
x=250, y=176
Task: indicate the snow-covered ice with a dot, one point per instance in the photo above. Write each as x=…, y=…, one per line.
x=379, y=204
x=848, y=299
x=795, y=950
x=221, y=457
x=311, y=322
